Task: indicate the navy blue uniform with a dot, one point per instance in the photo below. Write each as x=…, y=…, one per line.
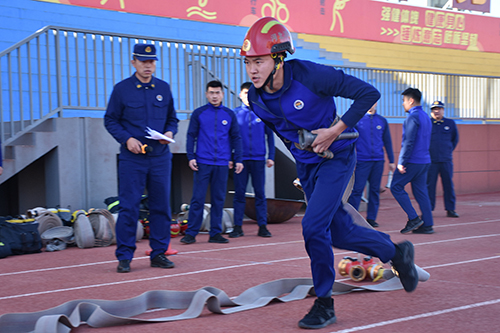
x=215, y=132
x=253, y=137
x=305, y=101
x=374, y=135
x=444, y=139
x=134, y=106
x=414, y=155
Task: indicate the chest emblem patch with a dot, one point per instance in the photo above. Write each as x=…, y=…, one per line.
x=224, y=122
x=298, y=104
x=379, y=127
x=447, y=128
x=258, y=120
x=159, y=98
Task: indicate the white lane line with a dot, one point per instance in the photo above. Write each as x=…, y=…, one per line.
x=200, y=272
x=457, y=239
x=423, y=315
x=153, y=278
x=461, y=262
x=147, y=257
x=232, y=248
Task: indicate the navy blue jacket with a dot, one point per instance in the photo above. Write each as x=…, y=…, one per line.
x=416, y=138
x=216, y=133
x=253, y=133
x=444, y=139
x=134, y=106
x=374, y=135
x=306, y=102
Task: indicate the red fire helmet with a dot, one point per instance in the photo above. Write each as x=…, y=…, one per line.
x=266, y=36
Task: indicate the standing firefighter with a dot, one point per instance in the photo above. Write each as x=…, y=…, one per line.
x=296, y=97
x=136, y=103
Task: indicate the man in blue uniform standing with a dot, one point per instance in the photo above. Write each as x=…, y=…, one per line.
x=253, y=137
x=444, y=139
x=295, y=98
x=413, y=165
x=214, y=130
x=374, y=135
x=136, y=103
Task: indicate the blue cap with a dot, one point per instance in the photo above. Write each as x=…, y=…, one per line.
x=145, y=52
x=437, y=104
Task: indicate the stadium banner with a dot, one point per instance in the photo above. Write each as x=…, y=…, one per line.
x=355, y=19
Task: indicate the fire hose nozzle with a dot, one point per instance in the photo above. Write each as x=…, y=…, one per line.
x=306, y=138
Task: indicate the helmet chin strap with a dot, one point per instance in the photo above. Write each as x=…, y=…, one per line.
x=277, y=63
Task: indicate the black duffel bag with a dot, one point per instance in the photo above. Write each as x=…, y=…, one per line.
x=21, y=238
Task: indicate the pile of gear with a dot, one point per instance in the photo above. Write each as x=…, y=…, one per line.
x=56, y=228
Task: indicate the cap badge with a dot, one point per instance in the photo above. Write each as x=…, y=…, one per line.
x=148, y=49
x=246, y=45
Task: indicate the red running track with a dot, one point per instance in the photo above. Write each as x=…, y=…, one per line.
x=462, y=295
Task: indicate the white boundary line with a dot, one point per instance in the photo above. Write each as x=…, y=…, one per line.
x=200, y=272
x=423, y=315
x=231, y=248
x=153, y=278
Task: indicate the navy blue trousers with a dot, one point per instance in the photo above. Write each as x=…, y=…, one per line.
x=445, y=169
x=326, y=223
x=257, y=169
x=416, y=174
x=135, y=174
x=370, y=171
x=216, y=176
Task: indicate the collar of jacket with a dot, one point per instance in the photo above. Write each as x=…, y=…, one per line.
x=415, y=109
x=140, y=85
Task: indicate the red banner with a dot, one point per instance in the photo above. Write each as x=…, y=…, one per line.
x=355, y=19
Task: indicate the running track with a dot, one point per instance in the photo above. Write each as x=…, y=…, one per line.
x=462, y=295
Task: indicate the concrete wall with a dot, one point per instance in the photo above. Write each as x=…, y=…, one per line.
x=74, y=165
x=476, y=159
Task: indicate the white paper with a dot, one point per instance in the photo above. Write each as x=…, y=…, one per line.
x=155, y=135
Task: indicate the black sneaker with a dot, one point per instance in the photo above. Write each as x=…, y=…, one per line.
x=162, y=261
x=237, y=232
x=412, y=225
x=424, y=230
x=321, y=314
x=263, y=232
x=123, y=266
x=403, y=263
x=188, y=239
x=218, y=239
x=451, y=213
x=372, y=223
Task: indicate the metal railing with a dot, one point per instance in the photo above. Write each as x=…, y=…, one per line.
x=71, y=72
x=467, y=98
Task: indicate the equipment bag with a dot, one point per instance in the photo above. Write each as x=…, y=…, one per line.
x=22, y=238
